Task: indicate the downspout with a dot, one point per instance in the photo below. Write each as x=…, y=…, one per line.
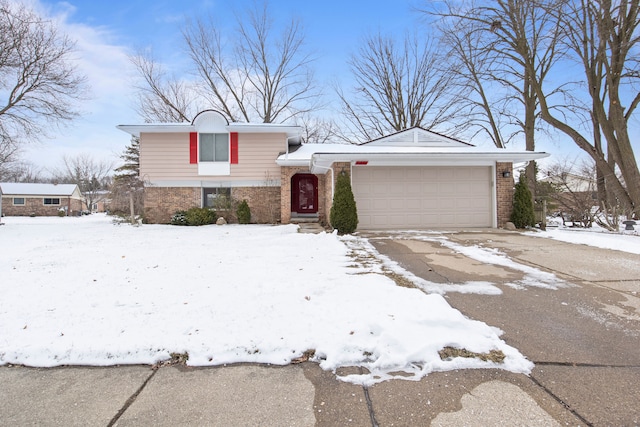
x=286, y=153
x=313, y=166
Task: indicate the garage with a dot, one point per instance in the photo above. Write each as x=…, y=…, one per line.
x=389, y=197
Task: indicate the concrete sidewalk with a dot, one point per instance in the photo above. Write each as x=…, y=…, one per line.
x=252, y=395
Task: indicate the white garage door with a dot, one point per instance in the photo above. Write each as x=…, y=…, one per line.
x=422, y=197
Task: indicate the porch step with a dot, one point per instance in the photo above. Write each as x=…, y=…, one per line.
x=304, y=220
x=310, y=227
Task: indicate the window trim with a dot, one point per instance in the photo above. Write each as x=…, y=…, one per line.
x=216, y=191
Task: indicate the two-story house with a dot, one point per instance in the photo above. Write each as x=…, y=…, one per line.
x=410, y=179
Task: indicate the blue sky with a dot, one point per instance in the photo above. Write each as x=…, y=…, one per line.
x=108, y=31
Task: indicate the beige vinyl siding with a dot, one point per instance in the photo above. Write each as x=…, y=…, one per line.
x=257, y=154
x=165, y=157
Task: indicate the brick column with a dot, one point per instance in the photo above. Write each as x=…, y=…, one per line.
x=504, y=193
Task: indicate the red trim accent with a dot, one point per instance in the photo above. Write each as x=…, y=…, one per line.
x=193, y=148
x=233, y=136
x=362, y=162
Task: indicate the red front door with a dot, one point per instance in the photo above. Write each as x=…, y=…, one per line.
x=304, y=193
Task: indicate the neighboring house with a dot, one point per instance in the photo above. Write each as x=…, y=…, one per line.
x=28, y=199
x=410, y=179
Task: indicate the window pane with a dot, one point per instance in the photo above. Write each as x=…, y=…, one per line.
x=222, y=147
x=206, y=147
x=216, y=198
x=18, y=200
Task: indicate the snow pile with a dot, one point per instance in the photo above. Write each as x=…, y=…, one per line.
x=594, y=237
x=83, y=291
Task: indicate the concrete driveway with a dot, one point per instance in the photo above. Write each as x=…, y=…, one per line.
x=583, y=336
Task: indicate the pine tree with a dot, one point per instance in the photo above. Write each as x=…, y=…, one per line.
x=522, y=215
x=344, y=214
x=243, y=212
x=127, y=184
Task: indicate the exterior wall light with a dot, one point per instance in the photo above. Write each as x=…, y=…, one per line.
x=506, y=174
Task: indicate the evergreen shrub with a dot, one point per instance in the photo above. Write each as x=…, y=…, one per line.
x=344, y=213
x=194, y=217
x=523, y=214
x=243, y=212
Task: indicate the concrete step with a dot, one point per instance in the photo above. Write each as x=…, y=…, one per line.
x=310, y=227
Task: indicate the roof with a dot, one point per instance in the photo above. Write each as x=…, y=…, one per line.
x=417, y=136
x=211, y=121
x=320, y=156
x=31, y=189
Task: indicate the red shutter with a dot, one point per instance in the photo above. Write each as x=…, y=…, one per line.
x=193, y=148
x=234, y=147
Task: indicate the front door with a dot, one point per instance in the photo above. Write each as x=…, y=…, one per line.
x=304, y=193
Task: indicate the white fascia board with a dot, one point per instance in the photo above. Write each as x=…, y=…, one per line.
x=282, y=161
x=136, y=130
x=324, y=160
x=290, y=130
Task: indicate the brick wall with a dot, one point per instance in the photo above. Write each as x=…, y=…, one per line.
x=264, y=203
x=33, y=206
x=504, y=193
x=160, y=203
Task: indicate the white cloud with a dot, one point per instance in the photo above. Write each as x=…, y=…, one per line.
x=109, y=76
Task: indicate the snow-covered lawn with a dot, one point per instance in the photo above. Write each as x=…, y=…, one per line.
x=626, y=241
x=85, y=291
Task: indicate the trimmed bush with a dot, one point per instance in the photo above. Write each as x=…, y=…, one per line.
x=522, y=215
x=344, y=213
x=243, y=212
x=179, y=218
x=194, y=217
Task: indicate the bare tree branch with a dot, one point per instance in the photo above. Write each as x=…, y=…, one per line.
x=396, y=88
x=39, y=86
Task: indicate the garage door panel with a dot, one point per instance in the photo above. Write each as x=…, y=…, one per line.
x=422, y=197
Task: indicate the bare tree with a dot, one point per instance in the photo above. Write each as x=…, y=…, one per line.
x=473, y=64
x=396, y=87
x=254, y=74
x=17, y=171
x=91, y=176
x=512, y=44
x=39, y=86
x=603, y=36
x=315, y=130
x=162, y=98
x=127, y=190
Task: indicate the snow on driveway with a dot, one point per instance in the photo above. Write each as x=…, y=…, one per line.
x=84, y=291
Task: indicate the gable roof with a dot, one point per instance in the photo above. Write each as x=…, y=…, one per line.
x=38, y=189
x=417, y=137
